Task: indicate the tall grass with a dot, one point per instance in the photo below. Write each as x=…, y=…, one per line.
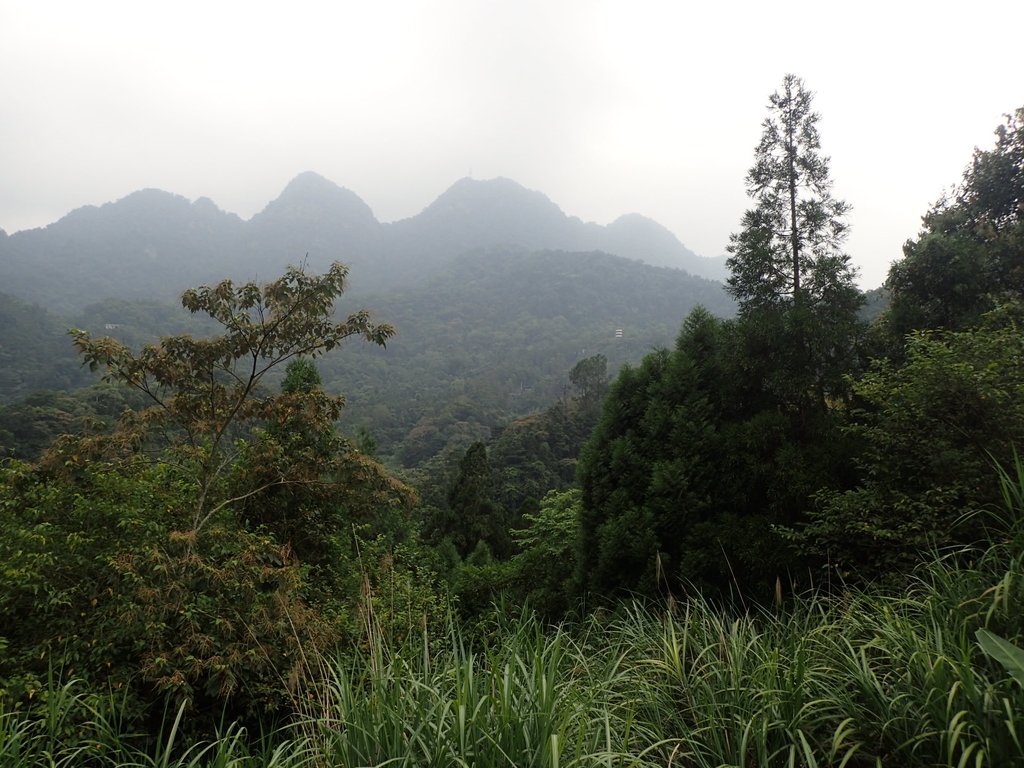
x=537, y=698
x=869, y=680
x=930, y=677
x=75, y=728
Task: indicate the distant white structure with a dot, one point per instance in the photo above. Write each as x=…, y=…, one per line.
x=618, y=333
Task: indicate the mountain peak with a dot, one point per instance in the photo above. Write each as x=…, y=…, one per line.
x=310, y=197
x=309, y=182
x=143, y=205
x=648, y=240
x=494, y=199
x=150, y=199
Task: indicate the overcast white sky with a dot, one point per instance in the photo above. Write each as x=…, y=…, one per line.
x=606, y=107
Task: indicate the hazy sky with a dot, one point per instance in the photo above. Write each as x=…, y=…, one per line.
x=606, y=107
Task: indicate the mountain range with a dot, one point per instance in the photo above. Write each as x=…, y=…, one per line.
x=153, y=244
x=495, y=292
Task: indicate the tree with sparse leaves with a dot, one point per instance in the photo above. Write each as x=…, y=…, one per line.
x=209, y=537
x=789, y=272
x=789, y=250
x=205, y=394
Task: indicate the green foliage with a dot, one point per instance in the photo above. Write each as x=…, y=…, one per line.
x=99, y=586
x=488, y=339
x=705, y=451
x=205, y=549
x=789, y=247
x=545, y=567
x=968, y=259
x=940, y=283
x=929, y=432
x=925, y=677
x=590, y=378
x=203, y=391
x=54, y=555
x=867, y=680
x=1009, y=655
x=472, y=517
x=301, y=376
x=532, y=462
x=932, y=417
x=694, y=464
x=530, y=699
x=533, y=455
x=794, y=284
x=137, y=322
x=31, y=425
x=646, y=473
x=617, y=541
x=313, y=488
x=214, y=547
x=35, y=353
x=538, y=453
x=491, y=338
x=401, y=596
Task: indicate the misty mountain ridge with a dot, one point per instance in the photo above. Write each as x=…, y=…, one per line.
x=153, y=244
x=495, y=292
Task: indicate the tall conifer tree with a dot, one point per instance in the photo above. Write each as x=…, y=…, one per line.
x=789, y=271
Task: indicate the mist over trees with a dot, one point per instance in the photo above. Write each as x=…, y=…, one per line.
x=153, y=244
x=445, y=381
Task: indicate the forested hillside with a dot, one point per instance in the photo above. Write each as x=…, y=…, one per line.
x=491, y=337
x=34, y=351
x=488, y=325
x=495, y=335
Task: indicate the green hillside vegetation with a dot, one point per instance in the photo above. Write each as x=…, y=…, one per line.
x=48, y=392
x=925, y=678
x=35, y=352
x=490, y=339
x=762, y=531
x=495, y=335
